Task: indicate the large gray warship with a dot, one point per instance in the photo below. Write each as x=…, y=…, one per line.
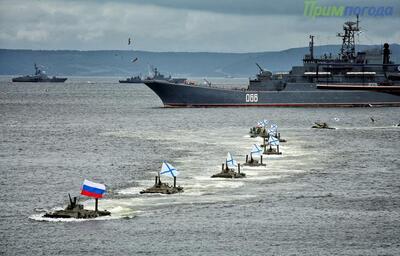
x=350, y=78
x=39, y=76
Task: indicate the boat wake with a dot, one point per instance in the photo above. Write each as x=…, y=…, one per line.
x=199, y=187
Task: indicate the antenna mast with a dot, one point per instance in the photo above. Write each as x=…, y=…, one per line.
x=311, y=45
x=348, y=50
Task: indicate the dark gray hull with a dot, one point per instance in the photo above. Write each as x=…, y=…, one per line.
x=39, y=79
x=130, y=81
x=294, y=95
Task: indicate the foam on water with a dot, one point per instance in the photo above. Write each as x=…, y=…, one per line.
x=250, y=177
x=39, y=217
x=130, y=191
x=117, y=212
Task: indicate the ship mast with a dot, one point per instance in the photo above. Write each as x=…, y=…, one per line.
x=311, y=46
x=348, y=50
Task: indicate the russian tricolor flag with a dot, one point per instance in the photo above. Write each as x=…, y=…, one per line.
x=93, y=189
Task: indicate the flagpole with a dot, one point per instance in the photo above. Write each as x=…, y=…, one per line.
x=96, y=204
x=265, y=146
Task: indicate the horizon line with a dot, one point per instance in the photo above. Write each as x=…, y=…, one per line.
x=217, y=52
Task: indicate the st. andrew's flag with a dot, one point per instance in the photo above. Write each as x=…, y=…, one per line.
x=168, y=170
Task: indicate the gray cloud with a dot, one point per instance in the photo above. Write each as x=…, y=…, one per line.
x=176, y=25
x=255, y=7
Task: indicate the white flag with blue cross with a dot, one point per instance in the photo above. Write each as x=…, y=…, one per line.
x=168, y=170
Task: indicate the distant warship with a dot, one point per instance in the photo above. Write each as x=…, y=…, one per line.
x=132, y=80
x=349, y=78
x=156, y=76
x=39, y=76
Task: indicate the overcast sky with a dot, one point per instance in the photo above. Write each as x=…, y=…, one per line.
x=181, y=25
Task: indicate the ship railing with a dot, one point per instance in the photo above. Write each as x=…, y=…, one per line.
x=365, y=76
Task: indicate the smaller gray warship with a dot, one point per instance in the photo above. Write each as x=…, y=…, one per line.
x=132, y=80
x=76, y=210
x=156, y=76
x=39, y=76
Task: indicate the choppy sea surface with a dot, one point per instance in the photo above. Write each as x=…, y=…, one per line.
x=331, y=192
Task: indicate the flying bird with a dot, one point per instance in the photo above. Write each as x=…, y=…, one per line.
x=129, y=41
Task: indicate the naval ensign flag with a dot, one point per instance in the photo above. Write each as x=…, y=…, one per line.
x=93, y=189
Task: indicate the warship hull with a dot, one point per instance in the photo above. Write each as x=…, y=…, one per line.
x=39, y=80
x=129, y=82
x=293, y=95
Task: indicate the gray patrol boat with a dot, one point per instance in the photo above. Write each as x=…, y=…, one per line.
x=156, y=76
x=39, y=76
x=350, y=78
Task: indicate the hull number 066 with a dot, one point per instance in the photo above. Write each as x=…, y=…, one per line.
x=250, y=97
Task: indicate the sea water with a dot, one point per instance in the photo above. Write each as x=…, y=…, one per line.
x=330, y=192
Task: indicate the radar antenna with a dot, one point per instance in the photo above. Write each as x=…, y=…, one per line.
x=348, y=50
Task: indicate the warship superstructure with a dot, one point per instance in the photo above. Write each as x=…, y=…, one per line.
x=350, y=78
x=39, y=76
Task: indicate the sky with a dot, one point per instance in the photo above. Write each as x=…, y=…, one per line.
x=182, y=25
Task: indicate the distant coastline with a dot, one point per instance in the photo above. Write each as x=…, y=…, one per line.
x=190, y=64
